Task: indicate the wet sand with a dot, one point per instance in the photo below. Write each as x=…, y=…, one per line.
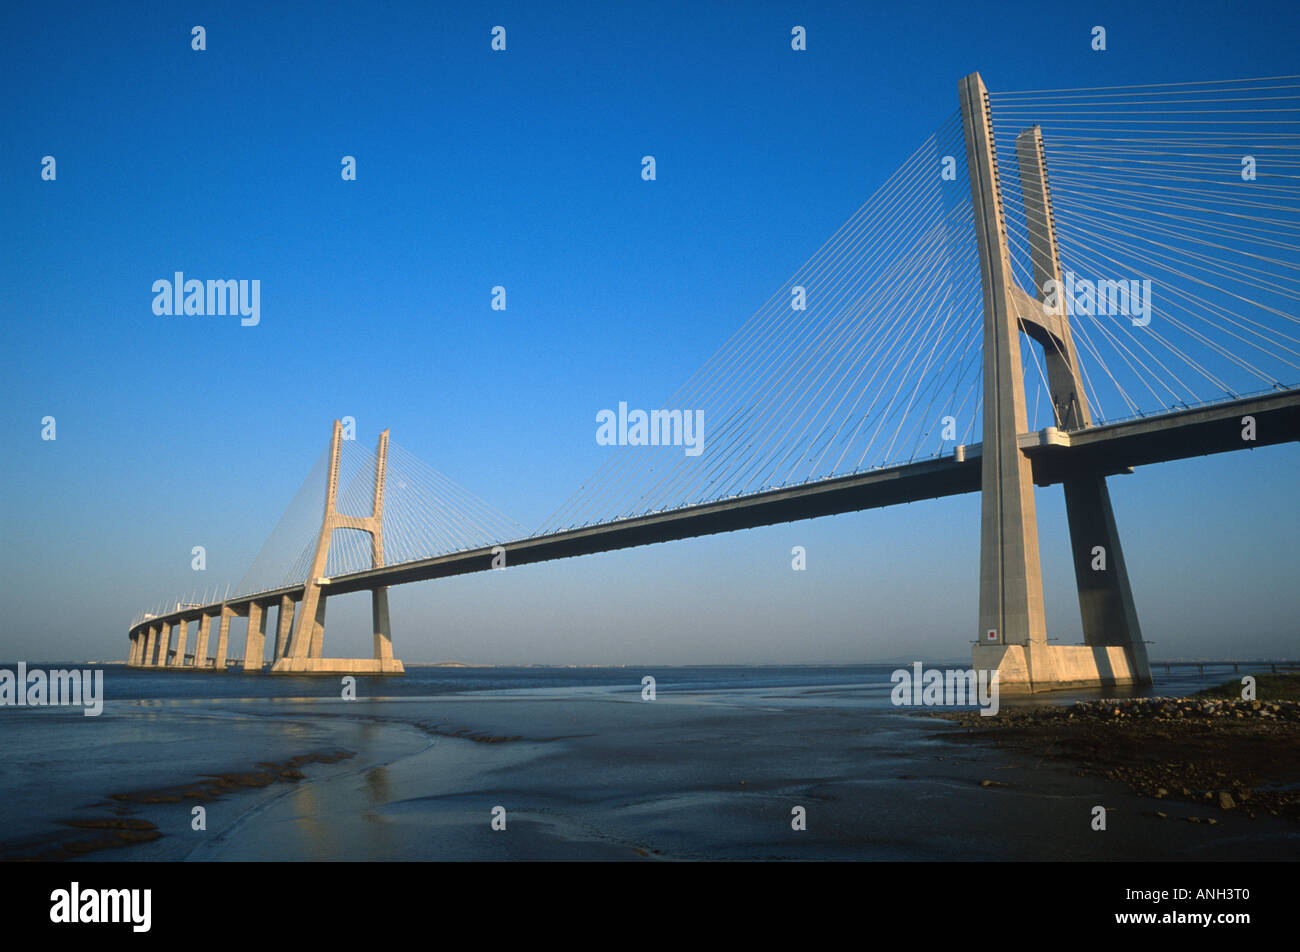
x=603, y=775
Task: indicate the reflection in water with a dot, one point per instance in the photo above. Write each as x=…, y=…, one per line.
x=377, y=784
x=314, y=802
x=308, y=823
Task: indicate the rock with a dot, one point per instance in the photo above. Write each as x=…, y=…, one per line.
x=1225, y=800
x=1161, y=792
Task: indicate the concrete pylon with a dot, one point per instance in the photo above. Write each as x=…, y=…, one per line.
x=255, y=640
x=1011, y=587
x=223, y=638
x=304, y=654
x=1048, y=324
x=201, y=642
x=283, y=628
x=1012, y=628
x=1106, y=606
x=182, y=642
x=164, y=644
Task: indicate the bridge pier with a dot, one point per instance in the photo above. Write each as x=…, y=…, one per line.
x=305, y=651
x=383, y=634
x=284, y=627
x=1105, y=598
x=1013, y=629
x=223, y=637
x=182, y=642
x=255, y=641
x=201, y=642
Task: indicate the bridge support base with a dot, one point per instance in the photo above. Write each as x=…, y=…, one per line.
x=1029, y=669
x=338, y=666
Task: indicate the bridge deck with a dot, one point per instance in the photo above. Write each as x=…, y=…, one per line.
x=1109, y=449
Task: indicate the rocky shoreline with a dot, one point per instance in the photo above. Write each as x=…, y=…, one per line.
x=1223, y=754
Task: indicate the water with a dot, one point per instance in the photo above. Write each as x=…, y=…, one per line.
x=594, y=770
x=130, y=684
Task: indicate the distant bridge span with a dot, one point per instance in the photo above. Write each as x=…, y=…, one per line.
x=1054, y=455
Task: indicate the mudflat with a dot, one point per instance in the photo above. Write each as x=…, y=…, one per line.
x=774, y=773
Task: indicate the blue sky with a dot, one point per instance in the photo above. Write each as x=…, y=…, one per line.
x=522, y=169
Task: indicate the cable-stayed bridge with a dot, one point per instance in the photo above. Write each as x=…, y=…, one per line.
x=1056, y=287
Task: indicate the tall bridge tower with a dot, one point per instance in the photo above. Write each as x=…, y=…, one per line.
x=1012, y=623
x=302, y=654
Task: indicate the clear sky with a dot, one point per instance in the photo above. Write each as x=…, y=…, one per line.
x=522, y=169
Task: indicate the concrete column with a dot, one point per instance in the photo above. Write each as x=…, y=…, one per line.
x=255, y=644
x=318, y=628
x=201, y=643
x=130, y=654
x=223, y=637
x=1049, y=327
x=150, y=646
x=1105, y=598
x=304, y=632
x=380, y=623
x=165, y=645
x=382, y=627
x=284, y=627
x=1011, y=588
x=182, y=643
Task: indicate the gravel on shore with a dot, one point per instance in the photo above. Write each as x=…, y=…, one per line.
x=1224, y=754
